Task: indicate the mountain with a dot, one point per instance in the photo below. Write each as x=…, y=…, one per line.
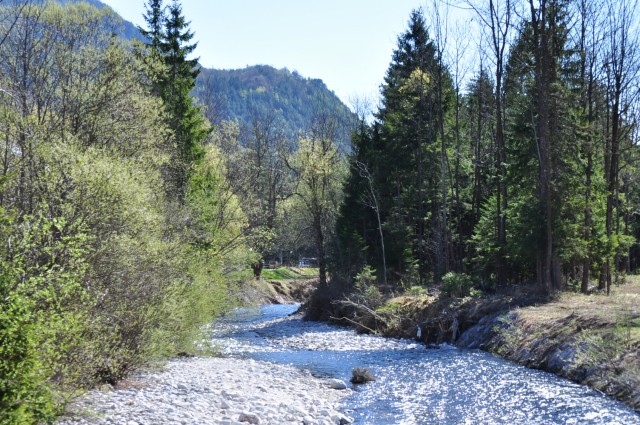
x=264, y=92
x=128, y=30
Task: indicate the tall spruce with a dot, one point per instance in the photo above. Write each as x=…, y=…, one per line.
x=154, y=17
x=174, y=86
x=397, y=153
x=409, y=123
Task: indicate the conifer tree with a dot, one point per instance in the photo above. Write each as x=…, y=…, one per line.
x=174, y=86
x=409, y=128
x=154, y=17
x=398, y=153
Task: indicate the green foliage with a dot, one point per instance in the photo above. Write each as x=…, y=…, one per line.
x=41, y=316
x=392, y=308
x=416, y=291
x=366, y=277
x=456, y=284
x=402, y=151
x=168, y=44
x=220, y=221
x=368, y=292
x=468, y=184
x=319, y=170
x=372, y=297
x=99, y=271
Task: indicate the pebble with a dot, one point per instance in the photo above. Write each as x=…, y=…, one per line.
x=215, y=391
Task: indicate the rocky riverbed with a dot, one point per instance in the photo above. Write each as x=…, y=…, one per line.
x=215, y=391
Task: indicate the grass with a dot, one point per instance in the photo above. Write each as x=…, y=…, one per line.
x=621, y=308
x=289, y=273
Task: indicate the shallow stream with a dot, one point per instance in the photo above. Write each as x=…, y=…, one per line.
x=415, y=385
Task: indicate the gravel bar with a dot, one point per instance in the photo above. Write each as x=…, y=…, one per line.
x=215, y=391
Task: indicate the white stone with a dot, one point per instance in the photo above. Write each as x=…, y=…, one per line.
x=337, y=384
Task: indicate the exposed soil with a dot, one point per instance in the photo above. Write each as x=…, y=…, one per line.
x=286, y=291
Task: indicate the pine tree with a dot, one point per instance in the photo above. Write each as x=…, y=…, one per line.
x=174, y=86
x=410, y=125
x=393, y=159
x=175, y=47
x=154, y=17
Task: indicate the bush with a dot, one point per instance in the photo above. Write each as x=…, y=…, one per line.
x=368, y=292
x=365, y=278
x=40, y=315
x=416, y=291
x=372, y=297
x=456, y=284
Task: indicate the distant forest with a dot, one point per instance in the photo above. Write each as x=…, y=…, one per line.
x=262, y=92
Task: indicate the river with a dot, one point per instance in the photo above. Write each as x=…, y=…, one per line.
x=415, y=385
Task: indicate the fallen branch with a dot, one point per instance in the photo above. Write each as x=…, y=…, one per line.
x=360, y=306
x=354, y=323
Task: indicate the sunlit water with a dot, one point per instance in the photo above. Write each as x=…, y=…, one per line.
x=415, y=385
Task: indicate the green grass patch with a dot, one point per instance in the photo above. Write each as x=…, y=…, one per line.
x=289, y=273
x=391, y=307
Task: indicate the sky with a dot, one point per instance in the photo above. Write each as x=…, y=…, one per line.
x=346, y=43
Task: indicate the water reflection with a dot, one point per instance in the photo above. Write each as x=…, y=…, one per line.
x=416, y=385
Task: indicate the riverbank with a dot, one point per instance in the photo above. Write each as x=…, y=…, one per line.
x=590, y=339
x=285, y=285
x=213, y=391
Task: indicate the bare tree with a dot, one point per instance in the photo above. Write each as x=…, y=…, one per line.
x=497, y=18
x=622, y=68
x=439, y=26
x=589, y=38
x=459, y=69
x=370, y=199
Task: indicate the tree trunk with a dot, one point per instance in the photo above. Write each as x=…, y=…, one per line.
x=544, y=66
x=257, y=269
x=320, y=248
x=586, y=262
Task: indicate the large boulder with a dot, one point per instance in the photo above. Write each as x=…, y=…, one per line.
x=360, y=375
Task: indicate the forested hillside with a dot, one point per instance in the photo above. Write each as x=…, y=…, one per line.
x=262, y=92
x=126, y=30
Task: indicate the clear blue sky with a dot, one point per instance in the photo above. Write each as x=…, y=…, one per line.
x=346, y=43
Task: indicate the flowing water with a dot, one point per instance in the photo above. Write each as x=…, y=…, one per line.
x=415, y=385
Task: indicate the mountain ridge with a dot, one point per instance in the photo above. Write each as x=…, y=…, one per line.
x=265, y=92
x=292, y=101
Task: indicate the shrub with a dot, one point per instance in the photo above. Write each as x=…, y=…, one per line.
x=416, y=291
x=41, y=315
x=368, y=292
x=365, y=278
x=372, y=297
x=456, y=284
